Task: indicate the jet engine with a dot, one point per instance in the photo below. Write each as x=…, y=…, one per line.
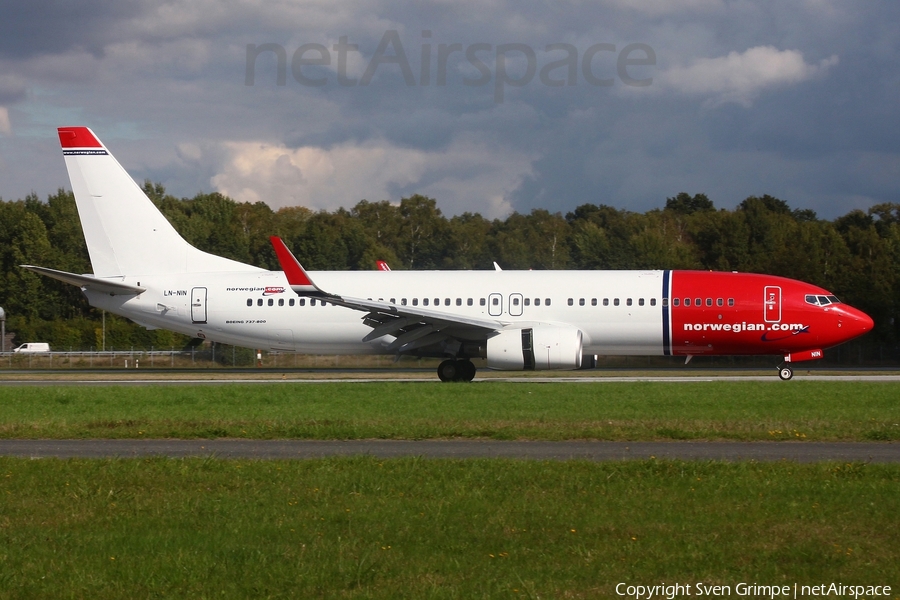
x=542, y=347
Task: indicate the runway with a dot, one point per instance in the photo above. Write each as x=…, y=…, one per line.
x=216, y=379
x=804, y=452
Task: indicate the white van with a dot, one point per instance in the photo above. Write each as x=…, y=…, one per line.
x=31, y=347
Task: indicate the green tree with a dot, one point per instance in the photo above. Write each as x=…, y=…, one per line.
x=686, y=204
x=423, y=233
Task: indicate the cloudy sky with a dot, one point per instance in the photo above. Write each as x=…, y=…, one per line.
x=491, y=106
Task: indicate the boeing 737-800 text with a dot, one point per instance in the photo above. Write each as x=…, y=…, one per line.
x=516, y=320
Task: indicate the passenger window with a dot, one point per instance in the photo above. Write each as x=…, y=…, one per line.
x=641, y=302
x=527, y=301
x=424, y=301
x=271, y=302
x=312, y=301
x=652, y=301
x=393, y=301
x=302, y=301
x=446, y=301
x=249, y=301
x=615, y=301
x=546, y=301
x=709, y=301
x=291, y=302
x=281, y=302
x=481, y=302
x=415, y=301
x=593, y=302
x=515, y=301
x=687, y=301
x=731, y=302
x=571, y=302
x=675, y=301
x=720, y=302
x=581, y=302
x=698, y=301
x=437, y=301
x=537, y=301
x=402, y=301
x=495, y=301
x=606, y=302
x=469, y=302
x=459, y=301
x=628, y=302
x=259, y=302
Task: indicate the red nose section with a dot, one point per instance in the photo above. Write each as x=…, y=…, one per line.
x=860, y=322
x=851, y=323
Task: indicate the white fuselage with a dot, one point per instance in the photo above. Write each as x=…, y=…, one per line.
x=258, y=309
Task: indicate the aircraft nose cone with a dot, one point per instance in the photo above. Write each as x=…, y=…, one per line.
x=856, y=322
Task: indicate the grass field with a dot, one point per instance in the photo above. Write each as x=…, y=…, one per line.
x=797, y=410
x=412, y=528
x=416, y=528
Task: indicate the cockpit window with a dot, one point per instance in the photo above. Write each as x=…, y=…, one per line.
x=821, y=300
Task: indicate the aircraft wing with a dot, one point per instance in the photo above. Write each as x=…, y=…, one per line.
x=106, y=286
x=413, y=327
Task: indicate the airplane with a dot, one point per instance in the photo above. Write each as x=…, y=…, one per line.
x=515, y=320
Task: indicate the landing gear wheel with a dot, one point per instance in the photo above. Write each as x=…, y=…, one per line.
x=466, y=370
x=456, y=370
x=785, y=373
x=448, y=371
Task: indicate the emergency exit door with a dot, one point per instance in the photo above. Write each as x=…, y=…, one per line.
x=198, y=305
x=772, y=302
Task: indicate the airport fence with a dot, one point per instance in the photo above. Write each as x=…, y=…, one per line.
x=199, y=358
x=854, y=354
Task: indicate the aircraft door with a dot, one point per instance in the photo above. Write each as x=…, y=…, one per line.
x=198, y=305
x=515, y=305
x=495, y=305
x=772, y=302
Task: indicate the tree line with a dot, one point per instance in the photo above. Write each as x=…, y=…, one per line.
x=856, y=256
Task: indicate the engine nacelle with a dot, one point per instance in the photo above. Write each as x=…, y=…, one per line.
x=538, y=348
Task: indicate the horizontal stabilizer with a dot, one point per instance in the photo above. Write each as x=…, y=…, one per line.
x=88, y=282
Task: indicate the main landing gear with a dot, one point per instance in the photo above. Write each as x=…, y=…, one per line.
x=785, y=372
x=456, y=370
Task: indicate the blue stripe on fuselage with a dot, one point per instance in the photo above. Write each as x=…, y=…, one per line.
x=667, y=351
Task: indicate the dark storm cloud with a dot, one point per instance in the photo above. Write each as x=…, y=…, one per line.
x=793, y=99
x=42, y=27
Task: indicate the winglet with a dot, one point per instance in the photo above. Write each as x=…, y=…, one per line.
x=295, y=273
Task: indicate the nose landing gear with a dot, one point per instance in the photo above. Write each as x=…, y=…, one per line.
x=456, y=370
x=785, y=372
